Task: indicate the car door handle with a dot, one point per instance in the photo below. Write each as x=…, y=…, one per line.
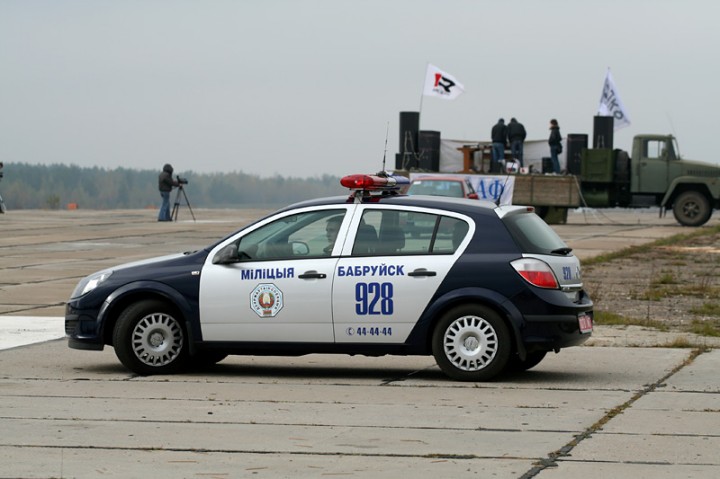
x=422, y=272
x=312, y=275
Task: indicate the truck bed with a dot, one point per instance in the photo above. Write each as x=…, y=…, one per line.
x=546, y=190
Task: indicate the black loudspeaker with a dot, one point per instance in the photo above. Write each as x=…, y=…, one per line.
x=409, y=126
x=547, y=164
x=576, y=143
x=429, y=150
x=603, y=128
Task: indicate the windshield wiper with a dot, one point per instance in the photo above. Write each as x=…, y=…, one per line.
x=563, y=251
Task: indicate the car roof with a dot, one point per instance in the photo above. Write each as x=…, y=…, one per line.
x=459, y=205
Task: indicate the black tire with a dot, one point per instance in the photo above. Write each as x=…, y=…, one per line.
x=516, y=365
x=471, y=343
x=692, y=208
x=149, y=339
x=208, y=358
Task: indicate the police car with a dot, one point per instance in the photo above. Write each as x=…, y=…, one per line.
x=487, y=289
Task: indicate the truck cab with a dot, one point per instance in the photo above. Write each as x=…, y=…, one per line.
x=690, y=188
x=656, y=163
x=655, y=175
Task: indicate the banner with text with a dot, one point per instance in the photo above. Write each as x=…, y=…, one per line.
x=611, y=105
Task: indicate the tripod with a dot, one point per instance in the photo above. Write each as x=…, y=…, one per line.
x=176, y=206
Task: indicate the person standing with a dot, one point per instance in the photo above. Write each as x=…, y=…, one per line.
x=516, y=135
x=165, y=185
x=555, y=142
x=498, y=134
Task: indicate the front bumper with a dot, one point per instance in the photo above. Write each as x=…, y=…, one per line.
x=83, y=329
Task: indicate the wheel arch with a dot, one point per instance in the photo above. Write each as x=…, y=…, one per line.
x=680, y=186
x=134, y=292
x=476, y=296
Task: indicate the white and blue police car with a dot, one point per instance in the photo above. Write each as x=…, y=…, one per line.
x=483, y=288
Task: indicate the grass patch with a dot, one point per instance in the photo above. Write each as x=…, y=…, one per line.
x=707, y=309
x=607, y=318
x=658, y=292
x=671, y=283
x=666, y=278
x=705, y=328
x=681, y=238
x=679, y=343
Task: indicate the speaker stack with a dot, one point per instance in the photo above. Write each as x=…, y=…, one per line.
x=429, y=150
x=576, y=143
x=603, y=132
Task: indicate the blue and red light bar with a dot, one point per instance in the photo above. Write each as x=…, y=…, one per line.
x=374, y=182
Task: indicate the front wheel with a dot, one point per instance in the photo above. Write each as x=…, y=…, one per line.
x=471, y=343
x=692, y=208
x=149, y=339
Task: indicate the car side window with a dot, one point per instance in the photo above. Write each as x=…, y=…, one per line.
x=304, y=235
x=392, y=232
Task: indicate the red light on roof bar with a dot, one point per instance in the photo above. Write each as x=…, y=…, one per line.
x=372, y=182
x=357, y=182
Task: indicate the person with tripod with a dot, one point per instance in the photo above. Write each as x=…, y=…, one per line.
x=165, y=185
x=2, y=203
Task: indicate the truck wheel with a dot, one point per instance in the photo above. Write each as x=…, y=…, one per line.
x=149, y=339
x=692, y=208
x=471, y=343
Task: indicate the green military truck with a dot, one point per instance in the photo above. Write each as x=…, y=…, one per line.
x=655, y=175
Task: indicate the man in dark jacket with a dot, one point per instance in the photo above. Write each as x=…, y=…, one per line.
x=165, y=185
x=499, y=140
x=516, y=134
x=555, y=142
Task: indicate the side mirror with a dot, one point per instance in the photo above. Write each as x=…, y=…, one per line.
x=473, y=196
x=229, y=254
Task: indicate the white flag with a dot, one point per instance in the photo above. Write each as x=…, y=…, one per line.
x=441, y=84
x=611, y=105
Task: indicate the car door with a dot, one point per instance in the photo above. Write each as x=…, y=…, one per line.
x=383, y=285
x=273, y=282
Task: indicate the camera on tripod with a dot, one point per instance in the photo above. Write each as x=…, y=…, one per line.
x=181, y=191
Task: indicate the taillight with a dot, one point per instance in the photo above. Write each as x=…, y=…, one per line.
x=536, y=272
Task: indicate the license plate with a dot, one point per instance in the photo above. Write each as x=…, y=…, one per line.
x=586, y=323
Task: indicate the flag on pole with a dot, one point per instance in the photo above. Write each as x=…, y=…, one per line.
x=611, y=105
x=441, y=84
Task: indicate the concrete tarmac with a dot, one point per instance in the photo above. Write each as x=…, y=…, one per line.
x=593, y=411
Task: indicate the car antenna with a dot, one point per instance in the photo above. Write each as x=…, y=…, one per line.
x=507, y=177
x=387, y=130
x=672, y=128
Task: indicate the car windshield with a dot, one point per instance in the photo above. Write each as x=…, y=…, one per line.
x=437, y=188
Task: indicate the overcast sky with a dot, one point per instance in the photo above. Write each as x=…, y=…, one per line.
x=303, y=88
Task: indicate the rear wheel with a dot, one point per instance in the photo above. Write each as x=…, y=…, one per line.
x=149, y=339
x=471, y=343
x=692, y=208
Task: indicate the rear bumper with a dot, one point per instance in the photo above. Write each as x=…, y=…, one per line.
x=547, y=333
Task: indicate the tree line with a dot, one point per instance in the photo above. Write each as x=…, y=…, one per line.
x=26, y=186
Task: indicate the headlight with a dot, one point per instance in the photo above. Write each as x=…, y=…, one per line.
x=89, y=283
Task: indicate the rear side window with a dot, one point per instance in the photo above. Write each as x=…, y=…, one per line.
x=532, y=234
x=392, y=232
